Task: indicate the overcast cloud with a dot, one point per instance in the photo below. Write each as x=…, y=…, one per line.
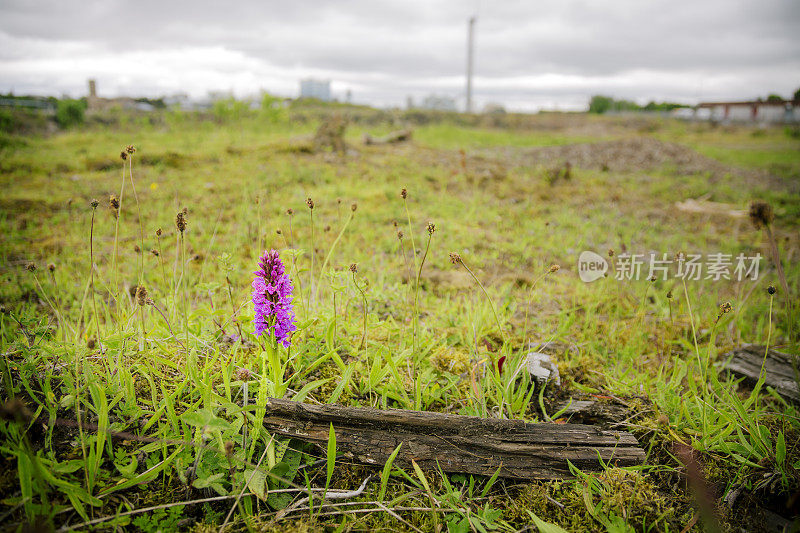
x=529, y=55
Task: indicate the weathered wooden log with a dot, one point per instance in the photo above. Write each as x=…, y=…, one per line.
x=780, y=374
x=390, y=138
x=599, y=413
x=463, y=444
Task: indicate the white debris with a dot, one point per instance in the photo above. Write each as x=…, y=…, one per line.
x=542, y=368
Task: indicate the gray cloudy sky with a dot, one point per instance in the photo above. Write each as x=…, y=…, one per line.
x=529, y=54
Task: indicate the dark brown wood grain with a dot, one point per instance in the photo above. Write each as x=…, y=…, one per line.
x=746, y=361
x=455, y=443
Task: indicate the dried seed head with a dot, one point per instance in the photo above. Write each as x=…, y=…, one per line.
x=290, y=211
x=31, y=266
x=113, y=202
x=185, y=210
x=91, y=343
x=394, y=223
x=154, y=252
x=724, y=309
x=353, y=207
x=123, y=155
x=141, y=295
x=455, y=258
x=400, y=234
x=554, y=268
x=130, y=149
x=51, y=267
x=310, y=203
x=158, y=232
x=338, y=200
x=3, y=310
x=353, y=267
x=94, y=203
x=761, y=214
x=431, y=227
x=652, y=278
x=278, y=231
x=180, y=221
x=610, y=252
x=243, y=374
x=404, y=193
x=327, y=228
x=228, y=449
x=136, y=248
x=669, y=294
x=771, y=290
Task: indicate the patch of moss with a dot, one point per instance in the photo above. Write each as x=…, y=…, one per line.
x=452, y=360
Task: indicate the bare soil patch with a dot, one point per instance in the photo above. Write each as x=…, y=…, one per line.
x=626, y=155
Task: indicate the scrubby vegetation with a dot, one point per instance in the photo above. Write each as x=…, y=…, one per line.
x=132, y=381
x=603, y=104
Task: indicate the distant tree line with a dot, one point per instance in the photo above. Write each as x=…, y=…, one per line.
x=157, y=103
x=778, y=98
x=603, y=104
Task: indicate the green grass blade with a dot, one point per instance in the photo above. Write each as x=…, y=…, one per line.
x=387, y=468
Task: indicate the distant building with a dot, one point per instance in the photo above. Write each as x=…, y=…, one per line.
x=319, y=89
x=439, y=103
x=773, y=112
x=95, y=103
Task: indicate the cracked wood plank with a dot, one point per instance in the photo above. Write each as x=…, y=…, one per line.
x=456, y=443
x=746, y=361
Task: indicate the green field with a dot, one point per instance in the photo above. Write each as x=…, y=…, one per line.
x=112, y=407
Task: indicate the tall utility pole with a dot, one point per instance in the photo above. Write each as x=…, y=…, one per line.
x=469, y=63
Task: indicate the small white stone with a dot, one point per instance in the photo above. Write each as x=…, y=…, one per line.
x=542, y=368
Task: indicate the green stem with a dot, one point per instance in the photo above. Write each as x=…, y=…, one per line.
x=782, y=278
x=61, y=311
x=161, y=260
x=697, y=352
x=49, y=302
x=489, y=299
x=527, y=307
x=691, y=321
x=416, y=296
x=769, y=337
x=414, y=257
x=183, y=291
x=363, y=343
x=116, y=247
x=330, y=252
x=139, y=215
x=313, y=253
